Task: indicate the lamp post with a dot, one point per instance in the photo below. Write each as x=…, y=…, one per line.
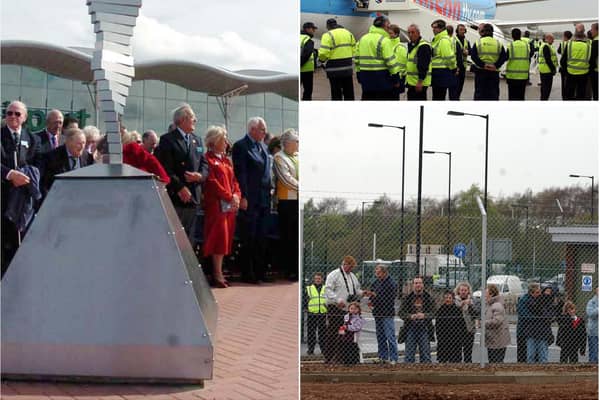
x=403, y=128
x=487, y=130
x=592, y=203
x=449, y=154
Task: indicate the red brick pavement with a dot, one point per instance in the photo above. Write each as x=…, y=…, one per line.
x=256, y=355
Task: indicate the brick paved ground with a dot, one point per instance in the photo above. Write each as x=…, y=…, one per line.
x=256, y=355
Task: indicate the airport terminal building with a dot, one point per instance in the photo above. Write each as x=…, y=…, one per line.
x=45, y=76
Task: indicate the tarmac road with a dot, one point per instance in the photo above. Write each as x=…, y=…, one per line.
x=321, y=89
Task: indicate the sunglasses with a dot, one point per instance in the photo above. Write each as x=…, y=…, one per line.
x=11, y=113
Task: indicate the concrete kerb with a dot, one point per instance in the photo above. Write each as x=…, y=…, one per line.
x=460, y=377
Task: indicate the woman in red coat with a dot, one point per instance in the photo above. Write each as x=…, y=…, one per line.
x=221, y=200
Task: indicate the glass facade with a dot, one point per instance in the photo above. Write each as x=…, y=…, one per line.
x=149, y=105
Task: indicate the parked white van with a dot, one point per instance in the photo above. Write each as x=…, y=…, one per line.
x=510, y=288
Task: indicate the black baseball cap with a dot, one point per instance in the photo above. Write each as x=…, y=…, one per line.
x=331, y=22
x=309, y=25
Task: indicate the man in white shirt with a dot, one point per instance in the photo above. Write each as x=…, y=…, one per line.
x=341, y=288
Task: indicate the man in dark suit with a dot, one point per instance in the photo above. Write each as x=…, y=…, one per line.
x=181, y=154
x=16, y=143
x=252, y=166
x=67, y=157
x=50, y=137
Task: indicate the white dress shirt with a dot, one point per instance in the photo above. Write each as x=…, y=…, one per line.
x=335, y=286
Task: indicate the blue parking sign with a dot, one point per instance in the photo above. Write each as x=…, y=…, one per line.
x=460, y=250
x=586, y=283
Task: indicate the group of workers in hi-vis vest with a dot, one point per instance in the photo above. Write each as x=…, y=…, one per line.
x=385, y=68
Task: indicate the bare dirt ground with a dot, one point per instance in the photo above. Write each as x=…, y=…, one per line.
x=344, y=388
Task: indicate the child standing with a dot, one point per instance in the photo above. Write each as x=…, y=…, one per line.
x=571, y=334
x=349, y=332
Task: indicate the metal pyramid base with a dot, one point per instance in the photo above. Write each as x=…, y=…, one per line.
x=106, y=286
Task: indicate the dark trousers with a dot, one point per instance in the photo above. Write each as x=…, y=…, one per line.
x=335, y=319
x=516, y=89
x=594, y=82
x=568, y=354
x=342, y=88
x=563, y=85
x=10, y=243
x=288, y=232
x=487, y=86
x=521, y=348
x=412, y=94
x=466, y=347
x=187, y=217
x=546, y=86
x=252, y=225
x=455, y=91
x=315, y=325
x=350, y=353
x=398, y=90
x=576, y=87
x=496, y=356
x=447, y=351
x=378, y=95
x=439, y=93
x=306, y=79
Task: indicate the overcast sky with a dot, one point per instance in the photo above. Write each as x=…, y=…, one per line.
x=549, y=9
x=234, y=34
x=534, y=145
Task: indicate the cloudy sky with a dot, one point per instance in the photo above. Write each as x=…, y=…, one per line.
x=535, y=147
x=234, y=34
x=549, y=9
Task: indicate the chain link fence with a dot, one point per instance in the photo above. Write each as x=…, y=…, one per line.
x=544, y=274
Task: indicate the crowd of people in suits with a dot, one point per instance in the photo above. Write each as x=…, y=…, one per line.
x=231, y=184
x=452, y=323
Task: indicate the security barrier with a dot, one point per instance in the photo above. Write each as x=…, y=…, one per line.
x=541, y=308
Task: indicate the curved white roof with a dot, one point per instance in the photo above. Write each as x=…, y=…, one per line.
x=75, y=64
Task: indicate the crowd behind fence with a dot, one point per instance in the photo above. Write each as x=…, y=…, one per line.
x=546, y=301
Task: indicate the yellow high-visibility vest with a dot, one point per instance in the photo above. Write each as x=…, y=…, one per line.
x=310, y=64
x=488, y=49
x=316, y=300
x=542, y=66
x=401, y=55
x=374, y=52
x=444, y=54
x=578, y=57
x=412, y=72
x=517, y=66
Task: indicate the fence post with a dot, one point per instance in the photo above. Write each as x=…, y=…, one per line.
x=483, y=212
x=374, y=245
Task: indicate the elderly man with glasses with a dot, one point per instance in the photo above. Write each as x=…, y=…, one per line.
x=19, y=148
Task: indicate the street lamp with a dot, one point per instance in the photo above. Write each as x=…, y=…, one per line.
x=592, y=178
x=487, y=130
x=403, y=128
x=449, y=154
x=362, y=215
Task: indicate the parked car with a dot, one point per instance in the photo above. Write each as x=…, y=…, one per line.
x=508, y=285
x=557, y=283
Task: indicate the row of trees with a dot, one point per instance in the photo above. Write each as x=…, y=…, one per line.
x=575, y=201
